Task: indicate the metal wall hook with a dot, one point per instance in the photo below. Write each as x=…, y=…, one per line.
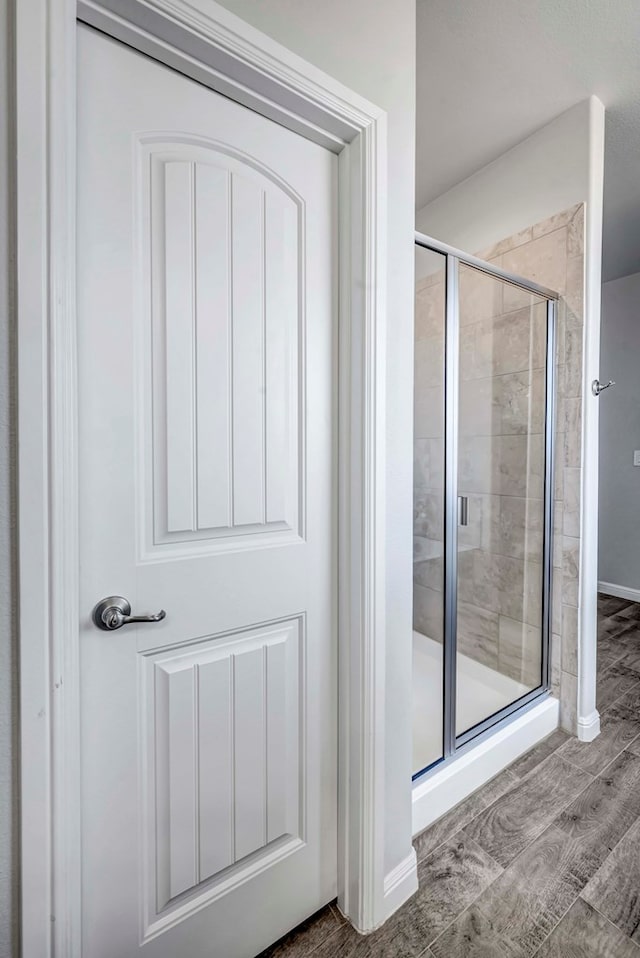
x=597, y=387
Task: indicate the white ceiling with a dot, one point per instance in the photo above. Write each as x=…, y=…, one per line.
x=491, y=72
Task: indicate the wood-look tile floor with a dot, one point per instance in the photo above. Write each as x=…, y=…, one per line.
x=543, y=860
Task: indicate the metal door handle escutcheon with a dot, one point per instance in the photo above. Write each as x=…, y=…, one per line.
x=115, y=611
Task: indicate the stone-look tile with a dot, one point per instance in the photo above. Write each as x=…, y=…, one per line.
x=306, y=937
x=472, y=935
x=573, y=432
x=573, y=363
x=568, y=702
x=556, y=670
x=532, y=611
x=506, y=828
x=560, y=356
x=428, y=515
x=558, y=474
x=615, y=888
x=428, y=413
x=520, y=651
x=516, y=403
x=528, y=899
x=538, y=358
x=429, y=573
x=430, y=269
x=429, y=360
x=565, y=218
x=428, y=465
x=570, y=639
x=556, y=603
x=478, y=634
x=504, y=245
x=574, y=291
x=571, y=503
x=613, y=683
x=515, y=527
x=493, y=582
x=480, y=296
x=619, y=726
x=429, y=311
x=501, y=465
x=502, y=585
x=427, y=612
x=558, y=542
x=543, y=260
x=538, y=753
x=583, y=933
x=575, y=233
x=570, y=570
x=475, y=417
x=517, y=466
x=451, y=823
x=494, y=346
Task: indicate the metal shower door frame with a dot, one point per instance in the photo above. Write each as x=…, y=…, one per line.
x=454, y=745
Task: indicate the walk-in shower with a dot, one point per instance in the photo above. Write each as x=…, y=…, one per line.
x=483, y=496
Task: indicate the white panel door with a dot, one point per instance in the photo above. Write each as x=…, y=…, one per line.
x=207, y=297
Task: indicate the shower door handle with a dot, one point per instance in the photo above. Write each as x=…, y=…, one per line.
x=463, y=510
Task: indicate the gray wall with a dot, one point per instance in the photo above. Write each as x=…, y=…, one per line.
x=619, y=517
x=8, y=658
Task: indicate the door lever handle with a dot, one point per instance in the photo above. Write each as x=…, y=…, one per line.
x=115, y=611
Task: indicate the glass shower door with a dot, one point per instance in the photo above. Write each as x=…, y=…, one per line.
x=428, y=510
x=501, y=443
x=482, y=509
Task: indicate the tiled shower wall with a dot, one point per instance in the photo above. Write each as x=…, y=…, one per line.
x=502, y=352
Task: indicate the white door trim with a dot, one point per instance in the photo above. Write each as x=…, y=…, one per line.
x=205, y=41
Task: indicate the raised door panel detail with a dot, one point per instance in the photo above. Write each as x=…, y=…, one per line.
x=221, y=252
x=223, y=757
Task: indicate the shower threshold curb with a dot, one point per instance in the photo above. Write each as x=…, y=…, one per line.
x=442, y=788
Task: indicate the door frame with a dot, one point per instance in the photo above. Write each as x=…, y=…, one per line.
x=207, y=42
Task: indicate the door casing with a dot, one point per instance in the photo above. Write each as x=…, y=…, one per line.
x=206, y=42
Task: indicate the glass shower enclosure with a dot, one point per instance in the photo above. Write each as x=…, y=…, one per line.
x=483, y=497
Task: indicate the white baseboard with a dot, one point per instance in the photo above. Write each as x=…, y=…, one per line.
x=440, y=790
x=400, y=884
x=620, y=591
x=589, y=727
